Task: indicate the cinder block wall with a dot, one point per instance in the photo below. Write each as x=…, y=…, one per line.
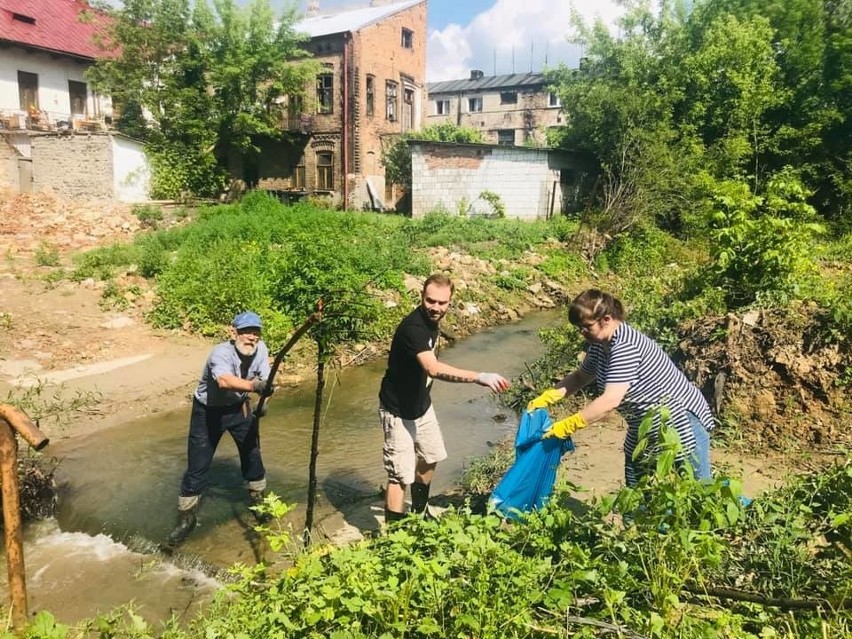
x=74, y=166
x=454, y=177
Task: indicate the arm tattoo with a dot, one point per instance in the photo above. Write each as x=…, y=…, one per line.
x=447, y=377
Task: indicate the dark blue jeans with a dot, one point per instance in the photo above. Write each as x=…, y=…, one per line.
x=699, y=458
x=206, y=427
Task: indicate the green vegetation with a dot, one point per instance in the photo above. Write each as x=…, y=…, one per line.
x=280, y=260
x=691, y=101
x=208, y=79
x=671, y=558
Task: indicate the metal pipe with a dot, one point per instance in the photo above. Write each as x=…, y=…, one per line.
x=14, y=420
x=346, y=117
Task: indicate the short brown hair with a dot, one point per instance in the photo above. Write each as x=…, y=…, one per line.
x=593, y=304
x=439, y=279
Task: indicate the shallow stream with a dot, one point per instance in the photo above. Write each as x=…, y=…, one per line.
x=118, y=488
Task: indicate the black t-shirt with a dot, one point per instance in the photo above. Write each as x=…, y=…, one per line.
x=405, y=386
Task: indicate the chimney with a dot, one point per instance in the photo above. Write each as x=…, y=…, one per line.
x=313, y=9
x=476, y=74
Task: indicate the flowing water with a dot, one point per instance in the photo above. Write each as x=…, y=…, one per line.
x=118, y=488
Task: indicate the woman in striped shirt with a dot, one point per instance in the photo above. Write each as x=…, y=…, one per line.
x=634, y=375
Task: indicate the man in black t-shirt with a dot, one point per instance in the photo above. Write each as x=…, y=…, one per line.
x=413, y=441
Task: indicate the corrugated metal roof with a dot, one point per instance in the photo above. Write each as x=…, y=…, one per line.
x=53, y=25
x=488, y=83
x=351, y=20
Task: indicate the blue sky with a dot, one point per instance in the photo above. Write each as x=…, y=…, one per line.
x=498, y=36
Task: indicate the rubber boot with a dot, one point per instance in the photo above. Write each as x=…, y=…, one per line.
x=256, y=498
x=187, y=521
x=391, y=516
x=420, y=500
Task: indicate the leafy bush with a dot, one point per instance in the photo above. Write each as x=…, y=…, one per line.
x=761, y=244
x=47, y=255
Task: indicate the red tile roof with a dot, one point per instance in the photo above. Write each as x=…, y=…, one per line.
x=53, y=25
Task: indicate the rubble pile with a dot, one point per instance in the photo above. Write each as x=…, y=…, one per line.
x=31, y=220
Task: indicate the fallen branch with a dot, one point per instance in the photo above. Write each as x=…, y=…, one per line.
x=755, y=597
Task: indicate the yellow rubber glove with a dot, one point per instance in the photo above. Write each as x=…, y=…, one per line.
x=548, y=397
x=564, y=428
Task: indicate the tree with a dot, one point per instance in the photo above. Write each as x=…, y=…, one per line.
x=210, y=82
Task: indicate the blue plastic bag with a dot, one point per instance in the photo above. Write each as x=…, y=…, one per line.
x=527, y=485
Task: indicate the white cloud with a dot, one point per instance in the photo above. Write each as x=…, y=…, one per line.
x=512, y=36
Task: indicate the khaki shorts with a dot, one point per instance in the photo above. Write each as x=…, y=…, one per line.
x=406, y=441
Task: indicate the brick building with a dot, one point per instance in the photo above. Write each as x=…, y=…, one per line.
x=370, y=87
x=512, y=109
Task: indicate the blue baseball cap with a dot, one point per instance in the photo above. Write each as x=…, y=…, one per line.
x=247, y=319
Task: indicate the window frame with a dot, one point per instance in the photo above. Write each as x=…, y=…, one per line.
x=325, y=93
x=475, y=100
x=406, y=38
x=325, y=171
x=508, y=97
x=391, y=100
x=77, y=89
x=442, y=110
x=24, y=87
x=370, y=95
x=503, y=133
x=553, y=100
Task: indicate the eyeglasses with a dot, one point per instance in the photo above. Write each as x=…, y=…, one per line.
x=585, y=328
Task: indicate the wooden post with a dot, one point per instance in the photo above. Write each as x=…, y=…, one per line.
x=15, y=420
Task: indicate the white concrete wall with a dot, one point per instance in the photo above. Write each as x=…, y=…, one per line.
x=453, y=177
x=131, y=171
x=53, y=76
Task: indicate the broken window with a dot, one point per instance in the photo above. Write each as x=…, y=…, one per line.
x=28, y=91
x=407, y=38
x=391, y=92
x=442, y=107
x=509, y=97
x=371, y=95
x=474, y=105
x=77, y=94
x=325, y=86
x=325, y=171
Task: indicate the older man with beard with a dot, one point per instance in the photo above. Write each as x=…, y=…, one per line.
x=221, y=404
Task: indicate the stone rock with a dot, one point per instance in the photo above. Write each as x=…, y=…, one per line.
x=122, y=321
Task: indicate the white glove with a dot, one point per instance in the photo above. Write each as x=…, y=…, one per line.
x=497, y=383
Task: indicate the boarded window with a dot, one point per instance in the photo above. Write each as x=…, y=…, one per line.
x=474, y=105
x=371, y=95
x=391, y=94
x=28, y=90
x=77, y=94
x=407, y=39
x=325, y=91
x=325, y=171
x=299, y=177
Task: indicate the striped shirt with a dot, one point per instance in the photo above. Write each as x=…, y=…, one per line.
x=654, y=382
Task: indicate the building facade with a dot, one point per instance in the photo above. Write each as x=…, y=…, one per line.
x=46, y=49
x=370, y=88
x=45, y=102
x=509, y=110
